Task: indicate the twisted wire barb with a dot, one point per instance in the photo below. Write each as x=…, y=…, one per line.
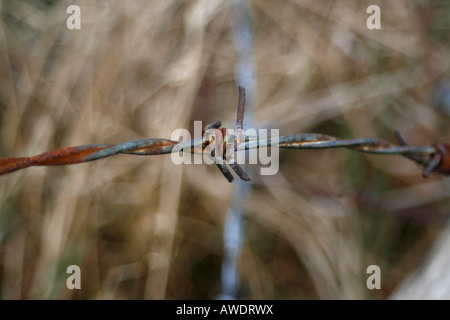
x=434, y=158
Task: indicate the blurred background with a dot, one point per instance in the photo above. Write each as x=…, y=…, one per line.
x=144, y=228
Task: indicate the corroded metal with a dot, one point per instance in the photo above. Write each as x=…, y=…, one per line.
x=434, y=158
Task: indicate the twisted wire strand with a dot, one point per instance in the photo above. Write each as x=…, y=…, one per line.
x=86, y=153
x=321, y=141
x=435, y=158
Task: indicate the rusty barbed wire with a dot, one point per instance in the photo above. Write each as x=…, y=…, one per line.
x=434, y=158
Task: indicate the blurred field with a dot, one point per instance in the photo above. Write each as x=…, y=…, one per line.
x=144, y=228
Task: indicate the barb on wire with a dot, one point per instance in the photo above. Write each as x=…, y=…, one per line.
x=434, y=158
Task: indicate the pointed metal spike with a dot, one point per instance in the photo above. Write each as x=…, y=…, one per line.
x=223, y=168
x=215, y=125
x=239, y=171
x=432, y=165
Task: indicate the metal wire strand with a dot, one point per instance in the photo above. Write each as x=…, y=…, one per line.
x=435, y=158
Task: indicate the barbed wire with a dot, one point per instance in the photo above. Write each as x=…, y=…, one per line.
x=434, y=158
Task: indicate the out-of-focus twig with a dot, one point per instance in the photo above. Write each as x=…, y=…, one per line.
x=245, y=76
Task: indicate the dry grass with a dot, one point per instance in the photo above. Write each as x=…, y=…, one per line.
x=143, y=228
